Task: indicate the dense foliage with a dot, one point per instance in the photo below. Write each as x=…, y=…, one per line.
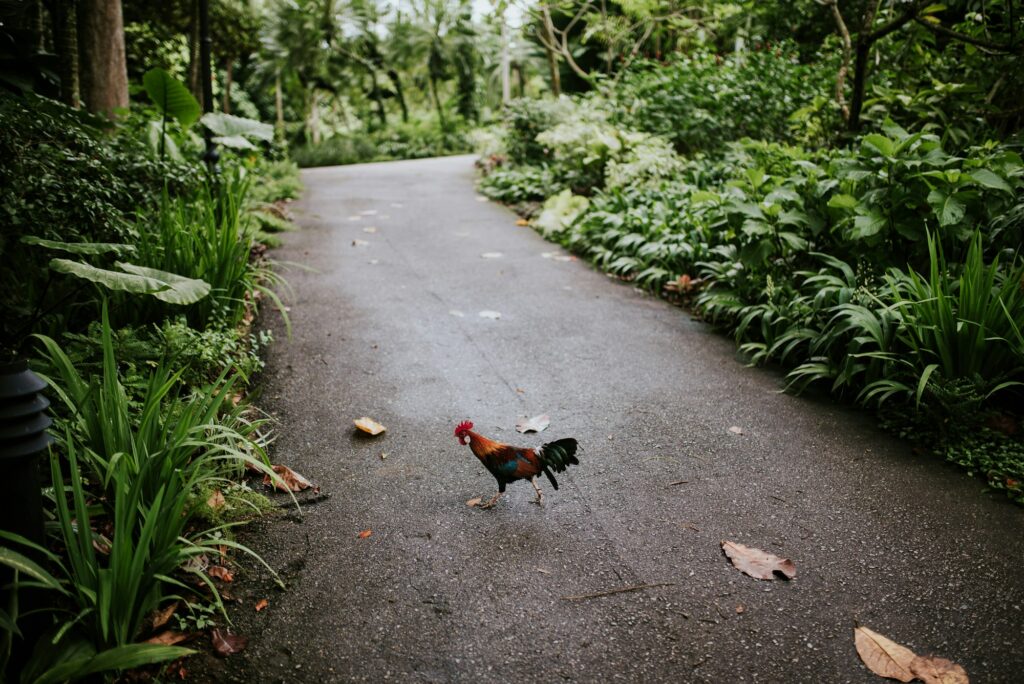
x=132, y=276
x=877, y=259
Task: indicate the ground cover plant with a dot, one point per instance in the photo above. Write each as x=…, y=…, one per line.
x=134, y=274
x=872, y=254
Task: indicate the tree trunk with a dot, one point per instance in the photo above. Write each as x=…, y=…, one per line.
x=104, y=70
x=65, y=39
x=506, y=62
x=278, y=104
x=397, y=82
x=226, y=104
x=860, y=68
x=195, y=83
x=549, y=42
x=437, y=103
x=314, y=118
x=378, y=98
x=519, y=79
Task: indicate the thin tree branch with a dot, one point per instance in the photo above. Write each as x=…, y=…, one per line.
x=964, y=38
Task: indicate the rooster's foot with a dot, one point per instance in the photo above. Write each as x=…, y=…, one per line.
x=491, y=503
x=540, y=495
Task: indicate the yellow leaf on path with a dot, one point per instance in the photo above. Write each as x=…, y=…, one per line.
x=369, y=425
x=757, y=563
x=883, y=656
x=935, y=670
x=474, y=501
x=522, y=222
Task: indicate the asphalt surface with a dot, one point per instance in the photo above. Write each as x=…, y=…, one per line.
x=442, y=592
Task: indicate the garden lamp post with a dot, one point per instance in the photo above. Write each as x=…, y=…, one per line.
x=23, y=436
x=23, y=424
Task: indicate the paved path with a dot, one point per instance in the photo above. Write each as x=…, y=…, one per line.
x=442, y=592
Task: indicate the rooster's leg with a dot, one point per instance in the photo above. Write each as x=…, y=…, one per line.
x=492, y=502
x=540, y=495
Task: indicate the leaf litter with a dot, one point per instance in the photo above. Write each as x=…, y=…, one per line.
x=886, y=658
x=369, y=426
x=493, y=315
x=535, y=424
x=288, y=480
x=757, y=563
x=226, y=643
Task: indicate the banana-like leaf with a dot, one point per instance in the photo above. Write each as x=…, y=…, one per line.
x=124, y=282
x=229, y=126
x=167, y=287
x=155, y=135
x=90, y=248
x=171, y=96
x=181, y=290
x=235, y=142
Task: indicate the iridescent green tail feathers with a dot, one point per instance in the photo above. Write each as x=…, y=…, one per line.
x=557, y=456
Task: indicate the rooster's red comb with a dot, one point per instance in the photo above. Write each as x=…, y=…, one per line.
x=463, y=427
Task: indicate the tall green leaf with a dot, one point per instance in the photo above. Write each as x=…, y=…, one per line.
x=171, y=96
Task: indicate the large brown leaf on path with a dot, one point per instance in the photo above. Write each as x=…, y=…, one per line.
x=535, y=424
x=225, y=643
x=290, y=480
x=757, y=563
x=369, y=426
x=935, y=670
x=883, y=656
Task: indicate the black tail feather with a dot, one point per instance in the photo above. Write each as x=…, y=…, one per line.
x=558, y=456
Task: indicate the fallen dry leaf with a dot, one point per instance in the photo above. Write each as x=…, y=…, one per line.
x=740, y=610
x=216, y=500
x=475, y=501
x=261, y=604
x=360, y=243
x=369, y=212
x=221, y=573
x=196, y=564
x=225, y=643
x=757, y=563
x=168, y=638
x=522, y=222
x=535, y=424
x=457, y=313
x=935, y=670
x=383, y=456
x=369, y=425
x=370, y=229
x=481, y=198
x=364, y=534
x=883, y=656
x=493, y=315
x=289, y=480
x=492, y=255
x=736, y=430
x=161, y=617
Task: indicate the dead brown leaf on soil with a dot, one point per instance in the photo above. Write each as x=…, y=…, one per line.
x=757, y=563
x=475, y=501
x=225, y=643
x=168, y=638
x=160, y=617
x=364, y=534
x=216, y=500
x=289, y=480
x=261, y=604
x=221, y=573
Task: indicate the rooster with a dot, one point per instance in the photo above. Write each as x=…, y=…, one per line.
x=508, y=463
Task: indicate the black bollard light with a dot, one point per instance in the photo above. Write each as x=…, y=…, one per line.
x=23, y=436
x=23, y=424
x=205, y=58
